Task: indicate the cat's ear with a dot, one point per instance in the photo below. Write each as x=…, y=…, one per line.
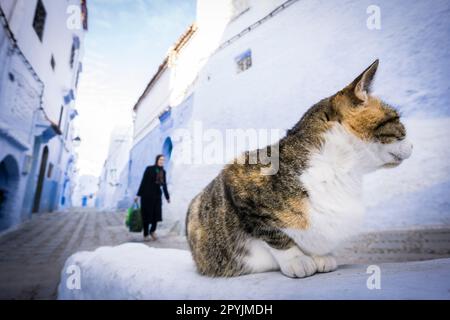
x=360, y=87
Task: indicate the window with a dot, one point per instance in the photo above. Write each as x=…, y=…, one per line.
x=72, y=56
x=75, y=47
x=244, y=61
x=39, y=19
x=60, y=117
x=53, y=63
x=80, y=69
x=67, y=132
x=50, y=170
x=84, y=14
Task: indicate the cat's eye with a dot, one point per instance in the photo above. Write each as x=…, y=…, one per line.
x=393, y=119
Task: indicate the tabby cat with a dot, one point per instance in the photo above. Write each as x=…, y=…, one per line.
x=246, y=222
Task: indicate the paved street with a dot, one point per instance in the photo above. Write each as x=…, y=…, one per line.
x=31, y=257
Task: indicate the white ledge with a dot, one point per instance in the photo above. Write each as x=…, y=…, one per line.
x=135, y=271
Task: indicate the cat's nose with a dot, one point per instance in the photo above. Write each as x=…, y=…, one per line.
x=406, y=149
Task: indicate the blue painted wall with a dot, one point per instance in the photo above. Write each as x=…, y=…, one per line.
x=157, y=141
x=23, y=135
x=20, y=92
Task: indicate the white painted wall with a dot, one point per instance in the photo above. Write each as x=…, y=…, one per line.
x=177, y=81
x=86, y=186
x=152, y=105
x=111, y=184
x=307, y=52
x=311, y=50
x=57, y=40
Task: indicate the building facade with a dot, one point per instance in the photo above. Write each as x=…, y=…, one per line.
x=113, y=181
x=85, y=192
x=41, y=49
x=261, y=64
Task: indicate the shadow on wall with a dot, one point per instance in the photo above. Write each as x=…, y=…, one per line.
x=9, y=181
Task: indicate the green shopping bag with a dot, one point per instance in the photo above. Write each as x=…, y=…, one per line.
x=133, y=219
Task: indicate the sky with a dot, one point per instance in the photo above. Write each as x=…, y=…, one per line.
x=126, y=42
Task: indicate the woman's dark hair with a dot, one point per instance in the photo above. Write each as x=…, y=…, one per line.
x=157, y=158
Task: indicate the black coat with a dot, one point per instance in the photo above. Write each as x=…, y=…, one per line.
x=150, y=193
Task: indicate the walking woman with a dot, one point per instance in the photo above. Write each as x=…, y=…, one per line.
x=150, y=193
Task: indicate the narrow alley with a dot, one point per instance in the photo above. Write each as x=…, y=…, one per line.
x=163, y=108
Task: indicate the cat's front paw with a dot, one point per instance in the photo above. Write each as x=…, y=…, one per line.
x=325, y=263
x=299, y=267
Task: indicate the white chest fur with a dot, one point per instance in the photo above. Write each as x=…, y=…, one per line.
x=334, y=184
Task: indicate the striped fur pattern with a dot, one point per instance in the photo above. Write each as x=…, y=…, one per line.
x=245, y=222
